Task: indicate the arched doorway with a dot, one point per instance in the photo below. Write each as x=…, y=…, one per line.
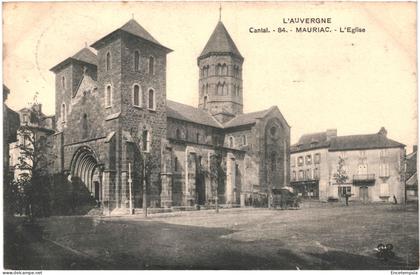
x=85, y=169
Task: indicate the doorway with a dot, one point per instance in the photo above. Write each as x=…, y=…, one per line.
x=364, y=193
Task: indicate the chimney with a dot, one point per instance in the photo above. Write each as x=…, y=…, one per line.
x=383, y=131
x=331, y=133
x=414, y=148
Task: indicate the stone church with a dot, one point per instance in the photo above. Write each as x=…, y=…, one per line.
x=113, y=117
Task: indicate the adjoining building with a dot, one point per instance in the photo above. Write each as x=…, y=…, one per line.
x=11, y=125
x=411, y=176
x=39, y=127
x=111, y=107
x=373, y=163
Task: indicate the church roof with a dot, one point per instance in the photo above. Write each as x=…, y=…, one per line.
x=245, y=119
x=134, y=28
x=363, y=142
x=220, y=42
x=191, y=114
x=84, y=55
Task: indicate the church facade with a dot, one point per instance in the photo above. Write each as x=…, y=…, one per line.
x=113, y=118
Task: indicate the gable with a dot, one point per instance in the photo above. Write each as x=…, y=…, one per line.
x=86, y=86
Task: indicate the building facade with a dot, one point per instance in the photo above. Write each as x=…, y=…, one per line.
x=113, y=118
x=35, y=129
x=372, y=163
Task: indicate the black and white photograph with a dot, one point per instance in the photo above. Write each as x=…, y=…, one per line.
x=210, y=136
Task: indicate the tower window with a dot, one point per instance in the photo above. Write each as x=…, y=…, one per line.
x=176, y=164
x=178, y=134
x=224, y=89
x=224, y=69
x=63, y=113
x=152, y=99
x=244, y=141
x=218, y=69
x=108, y=96
x=136, y=96
x=231, y=142
x=108, y=61
x=205, y=102
x=145, y=141
x=198, y=137
x=151, y=65
x=136, y=61
x=207, y=89
x=84, y=126
x=63, y=82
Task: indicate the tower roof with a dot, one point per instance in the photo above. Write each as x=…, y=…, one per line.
x=84, y=55
x=220, y=42
x=134, y=28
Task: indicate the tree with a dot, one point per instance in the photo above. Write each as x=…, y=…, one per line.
x=33, y=178
x=340, y=175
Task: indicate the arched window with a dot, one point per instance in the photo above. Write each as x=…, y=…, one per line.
x=244, y=141
x=151, y=65
x=84, y=126
x=219, y=89
x=63, y=82
x=175, y=164
x=108, y=61
x=224, y=69
x=231, y=142
x=224, y=89
x=136, y=95
x=151, y=99
x=203, y=89
x=145, y=138
x=207, y=89
x=218, y=69
x=63, y=113
x=136, y=61
x=178, y=134
x=205, y=102
x=108, y=96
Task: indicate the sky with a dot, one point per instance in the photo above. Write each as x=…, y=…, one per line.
x=355, y=83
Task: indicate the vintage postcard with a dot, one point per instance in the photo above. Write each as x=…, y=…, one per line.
x=210, y=136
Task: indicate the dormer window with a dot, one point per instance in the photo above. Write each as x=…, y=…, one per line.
x=151, y=65
x=108, y=61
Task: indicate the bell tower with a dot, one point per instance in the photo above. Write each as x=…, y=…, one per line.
x=220, y=81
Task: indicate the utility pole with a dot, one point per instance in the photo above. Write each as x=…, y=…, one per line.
x=144, y=187
x=129, y=189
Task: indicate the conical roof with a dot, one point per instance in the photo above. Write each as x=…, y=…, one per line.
x=220, y=42
x=134, y=28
